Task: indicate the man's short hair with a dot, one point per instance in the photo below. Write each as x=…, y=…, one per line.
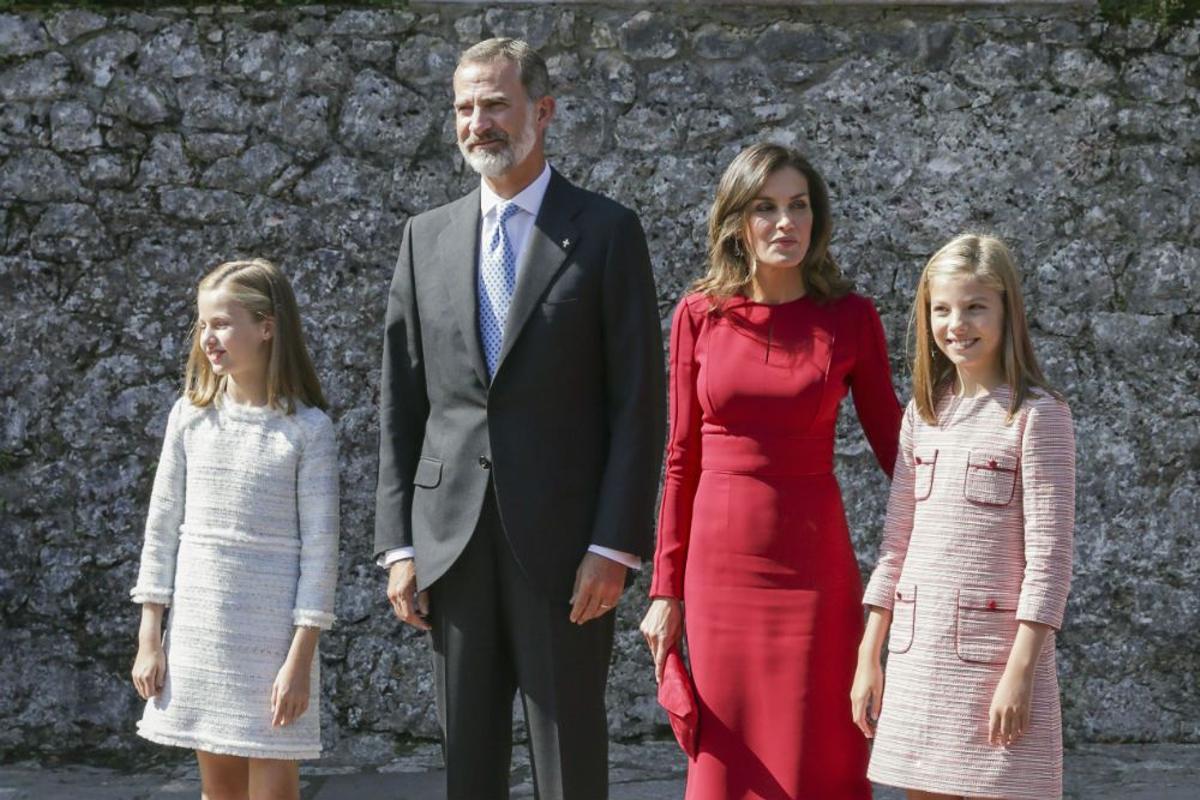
x=530, y=65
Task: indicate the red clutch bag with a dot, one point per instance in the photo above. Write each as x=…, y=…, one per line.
x=677, y=695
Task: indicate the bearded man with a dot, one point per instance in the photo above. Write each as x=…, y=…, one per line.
x=521, y=433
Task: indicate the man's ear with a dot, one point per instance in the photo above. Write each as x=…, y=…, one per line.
x=545, y=111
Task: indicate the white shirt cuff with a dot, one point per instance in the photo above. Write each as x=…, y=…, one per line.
x=629, y=560
x=395, y=554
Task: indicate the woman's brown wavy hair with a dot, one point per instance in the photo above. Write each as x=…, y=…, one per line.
x=730, y=256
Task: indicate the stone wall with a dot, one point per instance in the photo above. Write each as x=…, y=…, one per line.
x=138, y=148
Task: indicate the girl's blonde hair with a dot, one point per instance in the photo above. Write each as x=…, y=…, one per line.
x=987, y=259
x=258, y=286
x=730, y=256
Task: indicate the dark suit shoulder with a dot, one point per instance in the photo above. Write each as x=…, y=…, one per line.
x=596, y=208
x=437, y=218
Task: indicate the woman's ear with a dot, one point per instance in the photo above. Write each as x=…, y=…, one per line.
x=268, y=328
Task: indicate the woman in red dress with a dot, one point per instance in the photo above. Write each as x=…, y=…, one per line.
x=752, y=536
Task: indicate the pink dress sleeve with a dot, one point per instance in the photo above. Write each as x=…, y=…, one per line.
x=683, y=458
x=897, y=528
x=1048, y=482
x=875, y=400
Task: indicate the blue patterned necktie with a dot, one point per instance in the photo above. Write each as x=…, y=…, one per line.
x=497, y=280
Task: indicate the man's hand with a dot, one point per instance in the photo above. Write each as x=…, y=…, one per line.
x=599, y=582
x=410, y=606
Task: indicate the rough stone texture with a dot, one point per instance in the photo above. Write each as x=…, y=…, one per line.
x=139, y=148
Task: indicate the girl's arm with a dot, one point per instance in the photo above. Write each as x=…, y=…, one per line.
x=156, y=574
x=1048, y=486
x=879, y=412
x=897, y=527
x=662, y=626
x=317, y=494
x=866, y=694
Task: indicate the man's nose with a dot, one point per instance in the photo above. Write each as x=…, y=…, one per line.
x=480, y=121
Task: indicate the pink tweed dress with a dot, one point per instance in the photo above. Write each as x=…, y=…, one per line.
x=978, y=536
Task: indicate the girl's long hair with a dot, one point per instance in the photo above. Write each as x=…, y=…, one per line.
x=259, y=287
x=730, y=256
x=988, y=259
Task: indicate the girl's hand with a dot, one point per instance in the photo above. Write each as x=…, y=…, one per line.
x=663, y=628
x=866, y=695
x=289, y=693
x=149, y=670
x=1008, y=718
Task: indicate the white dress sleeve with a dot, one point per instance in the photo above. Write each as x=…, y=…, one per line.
x=318, y=511
x=156, y=575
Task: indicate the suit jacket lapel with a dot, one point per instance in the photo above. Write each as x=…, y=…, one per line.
x=457, y=252
x=553, y=237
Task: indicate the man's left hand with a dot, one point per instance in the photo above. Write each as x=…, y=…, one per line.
x=599, y=582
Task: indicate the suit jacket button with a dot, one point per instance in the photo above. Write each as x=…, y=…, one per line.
x=484, y=463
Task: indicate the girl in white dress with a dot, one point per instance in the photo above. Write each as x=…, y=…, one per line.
x=241, y=543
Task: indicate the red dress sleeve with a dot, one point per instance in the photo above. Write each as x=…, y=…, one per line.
x=683, y=457
x=875, y=401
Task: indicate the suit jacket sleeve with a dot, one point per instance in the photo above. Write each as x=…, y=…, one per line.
x=633, y=365
x=403, y=407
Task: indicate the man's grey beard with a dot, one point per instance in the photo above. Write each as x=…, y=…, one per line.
x=495, y=164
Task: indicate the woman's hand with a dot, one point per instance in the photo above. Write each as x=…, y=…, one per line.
x=289, y=693
x=149, y=670
x=866, y=695
x=663, y=628
x=1008, y=718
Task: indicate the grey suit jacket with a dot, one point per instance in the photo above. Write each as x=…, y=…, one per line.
x=570, y=429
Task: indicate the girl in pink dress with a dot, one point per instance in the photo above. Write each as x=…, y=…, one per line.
x=975, y=565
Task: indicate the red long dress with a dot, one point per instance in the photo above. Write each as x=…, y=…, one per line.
x=752, y=537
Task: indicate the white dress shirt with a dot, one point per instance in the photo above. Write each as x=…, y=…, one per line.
x=519, y=225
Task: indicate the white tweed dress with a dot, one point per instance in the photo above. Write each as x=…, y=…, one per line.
x=241, y=542
x=978, y=536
